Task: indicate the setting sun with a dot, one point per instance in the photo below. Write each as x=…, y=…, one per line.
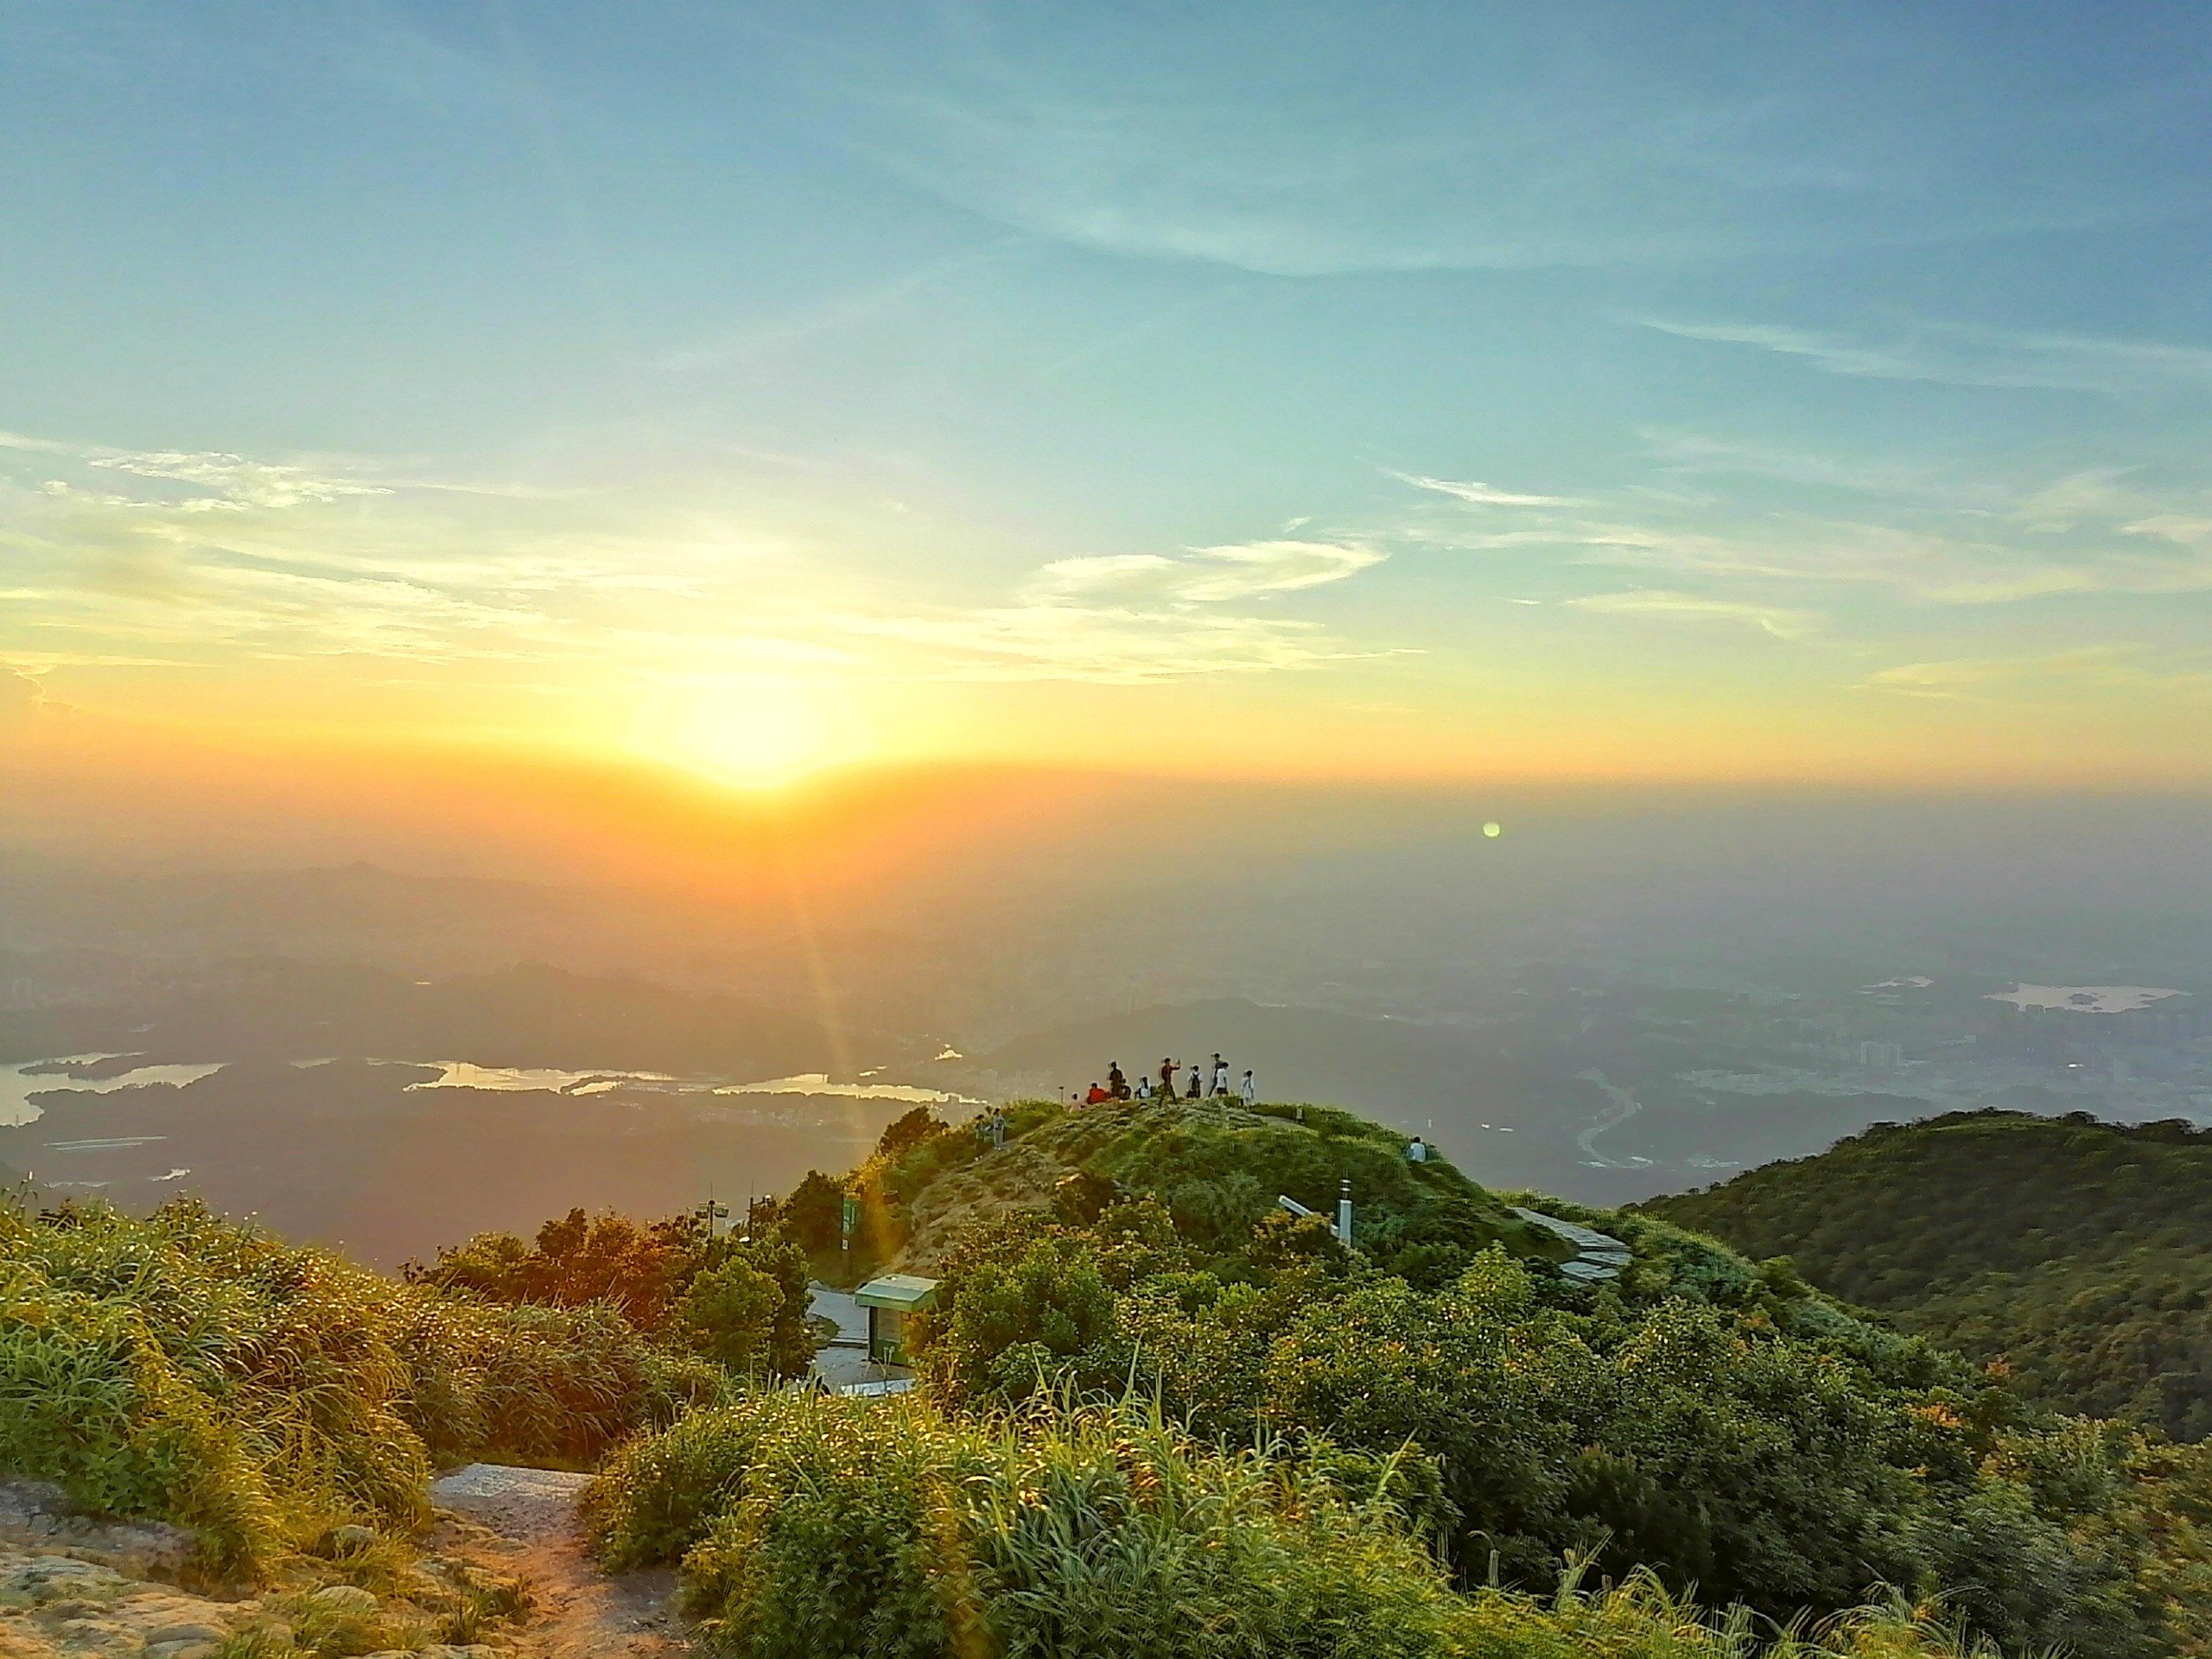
x=752, y=732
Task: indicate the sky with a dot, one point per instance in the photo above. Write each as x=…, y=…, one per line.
x=1379, y=391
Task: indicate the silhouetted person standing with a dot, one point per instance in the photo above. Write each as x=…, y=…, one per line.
x=1220, y=1084
x=1195, y=1077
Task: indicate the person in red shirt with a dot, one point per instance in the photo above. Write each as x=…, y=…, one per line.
x=1095, y=1096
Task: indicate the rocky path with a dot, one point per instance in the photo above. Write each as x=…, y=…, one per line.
x=524, y=1520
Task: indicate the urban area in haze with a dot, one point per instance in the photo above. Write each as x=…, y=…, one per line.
x=946, y=829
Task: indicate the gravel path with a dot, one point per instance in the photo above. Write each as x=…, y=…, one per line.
x=524, y=1520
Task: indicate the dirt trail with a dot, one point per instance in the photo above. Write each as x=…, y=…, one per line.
x=524, y=1520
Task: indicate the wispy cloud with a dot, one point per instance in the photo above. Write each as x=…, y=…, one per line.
x=1102, y=646
x=1210, y=575
x=1481, y=495
x=25, y=704
x=2050, y=675
x=852, y=312
x=1946, y=540
x=219, y=482
x=1660, y=604
x=1480, y=137
x=1964, y=354
x=306, y=562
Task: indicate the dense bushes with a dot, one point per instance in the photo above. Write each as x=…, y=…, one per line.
x=810, y=1526
x=2079, y=1254
x=1712, y=1423
x=741, y=1303
x=190, y=1369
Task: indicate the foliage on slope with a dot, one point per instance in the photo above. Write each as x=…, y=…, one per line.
x=2077, y=1253
x=188, y=1369
x=738, y=1302
x=1755, y=1442
x=807, y=1525
x=1217, y=1168
x=1705, y=1421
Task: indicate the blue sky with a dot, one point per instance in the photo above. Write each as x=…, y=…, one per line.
x=1684, y=390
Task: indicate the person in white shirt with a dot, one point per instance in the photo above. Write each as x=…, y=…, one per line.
x=1417, y=1152
x=1247, y=1091
x=1220, y=1084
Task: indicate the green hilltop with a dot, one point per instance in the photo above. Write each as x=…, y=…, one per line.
x=2077, y=1253
x=1155, y=1415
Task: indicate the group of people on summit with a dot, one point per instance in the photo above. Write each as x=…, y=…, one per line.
x=1207, y=1083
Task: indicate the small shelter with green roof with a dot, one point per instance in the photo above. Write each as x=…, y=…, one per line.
x=889, y=1301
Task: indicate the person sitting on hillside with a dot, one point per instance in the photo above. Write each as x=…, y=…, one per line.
x=1220, y=1084
x=1117, y=1086
x=1144, y=1088
x=1096, y=1096
x=1417, y=1151
x=1247, y=1090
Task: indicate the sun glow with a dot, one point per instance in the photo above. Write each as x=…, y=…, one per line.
x=752, y=733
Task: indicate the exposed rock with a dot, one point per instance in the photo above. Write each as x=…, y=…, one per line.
x=518, y=1503
x=342, y=1599
x=57, y=1578
x=39, y=1511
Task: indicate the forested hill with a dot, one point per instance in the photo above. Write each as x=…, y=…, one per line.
x=2076, y=1252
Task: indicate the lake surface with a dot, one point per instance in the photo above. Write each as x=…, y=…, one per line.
x=17, y=1085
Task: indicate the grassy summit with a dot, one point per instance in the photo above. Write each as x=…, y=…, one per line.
x=2078, y=1254
x=1218, y=1170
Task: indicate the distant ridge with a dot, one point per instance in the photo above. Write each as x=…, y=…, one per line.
x=2077, y=1253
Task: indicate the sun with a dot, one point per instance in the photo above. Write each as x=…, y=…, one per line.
x=751, y=732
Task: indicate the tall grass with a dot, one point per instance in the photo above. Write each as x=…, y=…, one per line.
x=811, y=1526
x=189, y=1368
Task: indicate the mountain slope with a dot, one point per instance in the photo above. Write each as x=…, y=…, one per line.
x=2077, y=1253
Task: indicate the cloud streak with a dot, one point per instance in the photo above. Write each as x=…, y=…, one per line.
x=293, y=563
x=1480, y=494
x=1663, y=605
x=1948, y=542
x=1960, y=354
x=1210, y=575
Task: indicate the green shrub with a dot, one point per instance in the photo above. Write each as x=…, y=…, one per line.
x=818, y=1525
x=807, y=1525
x=188, y=1369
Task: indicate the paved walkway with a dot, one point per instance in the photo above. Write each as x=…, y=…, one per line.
x=1598, y=1255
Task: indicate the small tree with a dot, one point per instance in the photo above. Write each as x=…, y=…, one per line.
x=1008, y=1322
x=908, y=1132
x=730, y=1315
x=747, y=1311
x=812, y=1215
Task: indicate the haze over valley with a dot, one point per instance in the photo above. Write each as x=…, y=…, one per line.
x=1616, y=996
